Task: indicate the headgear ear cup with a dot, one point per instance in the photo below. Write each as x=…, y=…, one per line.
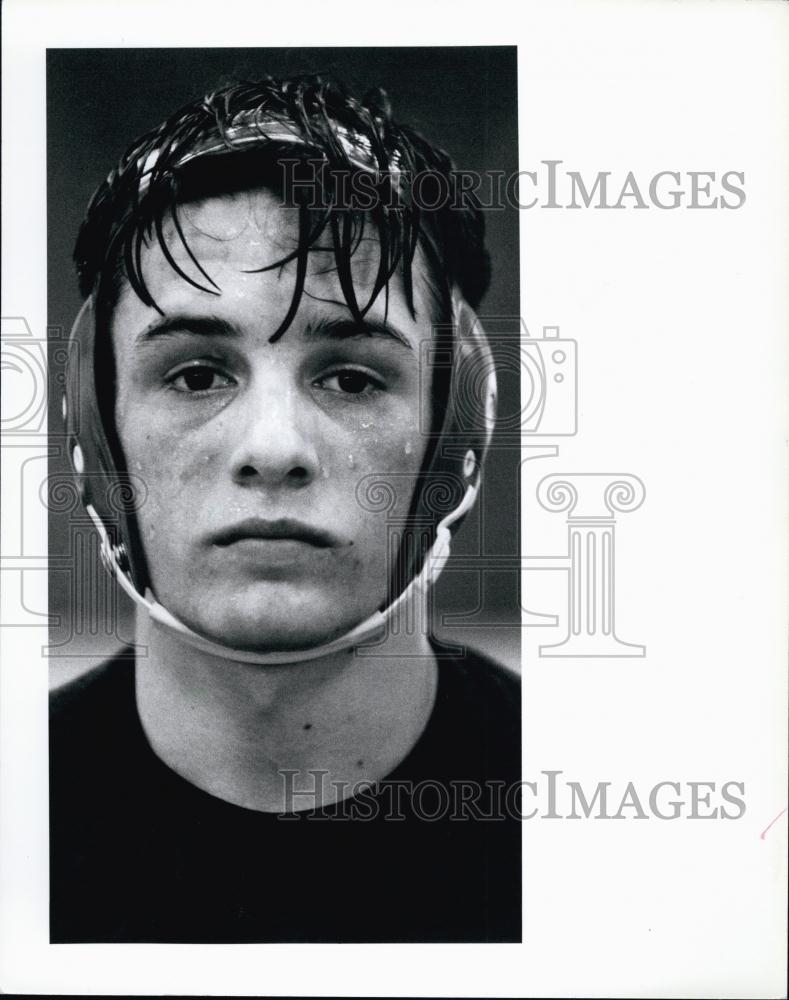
x=96, y=458
x=456, y=455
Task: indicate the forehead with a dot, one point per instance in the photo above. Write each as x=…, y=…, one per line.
x=240, y=243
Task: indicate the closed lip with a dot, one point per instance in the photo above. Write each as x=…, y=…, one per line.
x=283, y=528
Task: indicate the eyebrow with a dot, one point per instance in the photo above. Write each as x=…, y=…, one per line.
x=201, y=326
x=345, y=329
x=214, y=326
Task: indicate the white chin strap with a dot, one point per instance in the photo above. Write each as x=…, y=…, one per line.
x=372, y=628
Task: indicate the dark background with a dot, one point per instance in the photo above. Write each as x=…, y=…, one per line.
x=463, y=99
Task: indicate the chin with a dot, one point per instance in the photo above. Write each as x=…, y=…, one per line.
x=273, y=640
x=266, y=617
x=272, y=633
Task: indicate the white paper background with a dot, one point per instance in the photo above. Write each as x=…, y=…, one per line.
x=681, y=320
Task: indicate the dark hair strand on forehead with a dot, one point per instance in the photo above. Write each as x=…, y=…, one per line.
x=211, y=146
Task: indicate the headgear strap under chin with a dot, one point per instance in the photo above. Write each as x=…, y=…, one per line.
x=369, y=630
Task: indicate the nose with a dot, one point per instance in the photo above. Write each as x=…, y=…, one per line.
x=275, y=444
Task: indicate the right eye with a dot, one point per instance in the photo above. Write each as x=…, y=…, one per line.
x=199, y=377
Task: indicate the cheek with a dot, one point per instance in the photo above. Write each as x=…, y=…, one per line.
x=152, y=467
x=385, y=476
x=395, y=439
x=160, y=460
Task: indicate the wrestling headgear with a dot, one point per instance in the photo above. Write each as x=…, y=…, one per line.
x=309, y=120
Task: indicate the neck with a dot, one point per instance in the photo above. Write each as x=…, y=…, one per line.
x=288, y=737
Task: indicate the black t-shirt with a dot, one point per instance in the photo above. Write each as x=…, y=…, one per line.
x=432, y=853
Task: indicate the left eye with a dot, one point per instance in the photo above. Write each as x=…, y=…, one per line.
x=199, y=378
x=351, y=381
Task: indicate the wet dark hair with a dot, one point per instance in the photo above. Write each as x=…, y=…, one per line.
x=320, y=129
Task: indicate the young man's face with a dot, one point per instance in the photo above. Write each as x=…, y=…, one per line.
x=252, y=452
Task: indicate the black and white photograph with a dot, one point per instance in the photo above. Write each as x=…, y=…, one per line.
x=393, y=584
x=279, y=402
